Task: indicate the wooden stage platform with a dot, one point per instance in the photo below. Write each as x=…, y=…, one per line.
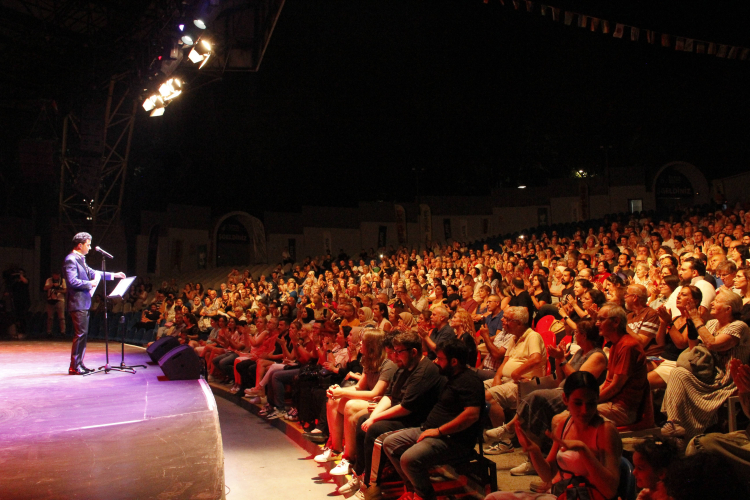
x=103, y=436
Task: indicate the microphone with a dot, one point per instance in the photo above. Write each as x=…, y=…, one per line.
x=104, y=252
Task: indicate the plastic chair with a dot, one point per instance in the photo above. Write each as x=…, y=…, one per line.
x=626, y=488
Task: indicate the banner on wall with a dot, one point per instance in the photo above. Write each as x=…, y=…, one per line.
x=382, y=236
x=401, y=224
x=425, y=223
x=447, y=232
x=327, y=244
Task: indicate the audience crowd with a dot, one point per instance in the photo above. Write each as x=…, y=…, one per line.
x=430, y=346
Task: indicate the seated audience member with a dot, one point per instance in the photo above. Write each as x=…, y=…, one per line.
x=690, y=403
x=660, y=292
x=346, y=405
x=221, y=363
x=259, y=341
x=463, y=324
x=450, y=428
x=626, y=382
x=673, y=336
x=496, y=342
x=704, y=475
x=536, y=410
x=692, y=272
x=441, y=331
x=149, y=317
x=584, y=444
x=527, y=358
x=651, y=460
x=643, y=322
x=412, y=393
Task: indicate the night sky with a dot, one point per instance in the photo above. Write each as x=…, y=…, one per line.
x=355, y=99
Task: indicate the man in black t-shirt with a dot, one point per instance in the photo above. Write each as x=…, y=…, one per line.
x=415, y=389
x=521, y=298
x=450, y=429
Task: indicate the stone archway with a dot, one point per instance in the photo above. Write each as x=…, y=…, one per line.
x=679, y=184
x=239, y=240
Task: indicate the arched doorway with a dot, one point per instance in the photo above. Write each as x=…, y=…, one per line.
x=240, y=240
x=678, y=185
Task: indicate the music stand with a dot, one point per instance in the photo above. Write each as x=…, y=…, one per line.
x=106, y=368
x=119, y=292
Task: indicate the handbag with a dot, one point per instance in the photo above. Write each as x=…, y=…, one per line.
x=700, y=362
x=526, y=387
x=576, y=488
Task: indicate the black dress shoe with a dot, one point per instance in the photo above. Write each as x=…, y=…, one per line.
x=75, y=371
x=85, y=369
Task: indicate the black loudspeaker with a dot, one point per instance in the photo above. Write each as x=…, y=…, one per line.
x=181, y=363
x=161, y=347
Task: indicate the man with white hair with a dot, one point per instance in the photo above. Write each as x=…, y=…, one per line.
x=441, y=331
x=643, y=321
x=527, y=358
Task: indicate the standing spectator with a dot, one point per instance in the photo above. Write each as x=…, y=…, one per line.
x=56, y=290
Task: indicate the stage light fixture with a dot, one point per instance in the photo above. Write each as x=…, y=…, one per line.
x=153, y=102
x=157, y=112
x=187, y=39
x=199, y=24
x=170, y=89
x=200, y=53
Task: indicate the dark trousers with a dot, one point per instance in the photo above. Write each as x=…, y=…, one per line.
x=366, y=442
x=80, y=332
x=246, y=369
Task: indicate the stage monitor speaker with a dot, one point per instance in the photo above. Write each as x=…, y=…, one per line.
x=181, y=363
x=161, y=347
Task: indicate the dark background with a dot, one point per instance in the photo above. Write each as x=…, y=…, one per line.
x=356, y=99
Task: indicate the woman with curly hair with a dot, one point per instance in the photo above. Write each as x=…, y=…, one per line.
x=463, y=325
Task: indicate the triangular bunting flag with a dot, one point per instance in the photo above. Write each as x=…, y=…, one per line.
x=619, y=29
x=688, y=45
x=529, y=6
x=679, y=44
x=582, y=20
x=635, y=33
x=711, y=48
x=594, y=24
x=515, y=4
x=568, y=18
x=733, y=52
x=664, y=40
x=543, y=8
x=605, y=27
x=722, y=52
x=555, y=14
x=650, y=36
x=744, y=54
x=700, y=48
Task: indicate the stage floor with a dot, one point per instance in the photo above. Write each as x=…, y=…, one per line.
x=108, y=436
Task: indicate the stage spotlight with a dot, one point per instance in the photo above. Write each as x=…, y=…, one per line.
x=170, y=89
x=187, y=39
x=199, y=24
x=153, y=102
x=200, y=53
x=157, y=112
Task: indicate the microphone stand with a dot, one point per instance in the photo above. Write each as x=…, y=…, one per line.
x=107, y=368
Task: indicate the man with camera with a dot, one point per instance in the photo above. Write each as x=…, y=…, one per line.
x=55, y=289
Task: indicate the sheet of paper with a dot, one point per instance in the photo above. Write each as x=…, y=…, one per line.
x=122, y=287
x=96, y=283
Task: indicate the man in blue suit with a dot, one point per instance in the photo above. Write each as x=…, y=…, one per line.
x=81, y=279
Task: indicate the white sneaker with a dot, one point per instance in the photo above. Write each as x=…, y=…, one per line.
x=525, y=469
x=328, y=455
x=499, y=448
x=498, y=434
x=353, y=485
x=342, y=469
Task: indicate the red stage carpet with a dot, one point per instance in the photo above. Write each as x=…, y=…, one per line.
x=103, y=436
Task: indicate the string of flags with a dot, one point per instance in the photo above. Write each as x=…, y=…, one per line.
x=620, y=30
